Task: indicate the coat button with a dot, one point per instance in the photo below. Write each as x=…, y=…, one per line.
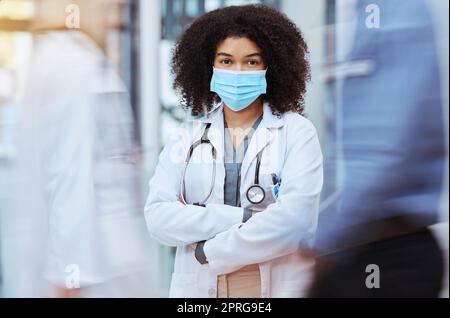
x=212, y=292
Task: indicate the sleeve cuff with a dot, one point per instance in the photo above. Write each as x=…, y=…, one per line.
x=247, y=215
x=200, y=253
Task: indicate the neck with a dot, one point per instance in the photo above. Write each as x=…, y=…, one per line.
x=245, y=118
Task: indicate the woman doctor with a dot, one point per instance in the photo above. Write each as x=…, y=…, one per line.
x=237, y=189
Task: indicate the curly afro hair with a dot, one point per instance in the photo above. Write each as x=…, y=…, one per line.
x=283, y=49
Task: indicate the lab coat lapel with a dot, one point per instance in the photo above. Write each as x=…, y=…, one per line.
x=216, y=132
x=216, y=137
x=262, y=137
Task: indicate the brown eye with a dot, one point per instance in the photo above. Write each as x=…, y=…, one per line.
x=226, y=62
x=253, y=63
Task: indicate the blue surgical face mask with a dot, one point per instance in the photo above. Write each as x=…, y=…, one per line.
x=238, y=89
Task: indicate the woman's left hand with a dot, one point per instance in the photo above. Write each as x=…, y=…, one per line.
x=181, y=200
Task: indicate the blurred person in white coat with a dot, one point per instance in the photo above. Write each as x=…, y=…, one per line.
x=78, y=229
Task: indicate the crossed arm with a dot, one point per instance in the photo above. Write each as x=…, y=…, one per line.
x=228, y=243
x=171, y=222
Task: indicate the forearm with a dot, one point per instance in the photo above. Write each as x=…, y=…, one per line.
x=199, y=247
x=175, y=224
x=268, y=235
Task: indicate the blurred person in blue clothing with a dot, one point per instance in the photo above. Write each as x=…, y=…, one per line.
x=393, y=159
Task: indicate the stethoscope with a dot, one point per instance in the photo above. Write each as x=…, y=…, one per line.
x=255, y=193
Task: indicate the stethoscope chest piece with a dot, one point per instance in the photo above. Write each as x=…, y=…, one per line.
x=256, y=194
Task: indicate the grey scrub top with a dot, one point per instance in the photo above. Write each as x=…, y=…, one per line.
x=233, y=162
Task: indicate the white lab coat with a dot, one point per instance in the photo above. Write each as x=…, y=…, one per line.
x=271, y=238
x=78, y=218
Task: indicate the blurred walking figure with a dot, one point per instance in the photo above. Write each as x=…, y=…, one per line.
x=394, y=158
x=78, y=229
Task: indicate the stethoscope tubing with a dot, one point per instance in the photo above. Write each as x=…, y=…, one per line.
x=205, y=140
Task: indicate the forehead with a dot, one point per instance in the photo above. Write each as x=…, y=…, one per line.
x=238, y=46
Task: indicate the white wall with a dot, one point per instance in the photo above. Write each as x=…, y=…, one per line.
x=150, y=109
x=150, y=26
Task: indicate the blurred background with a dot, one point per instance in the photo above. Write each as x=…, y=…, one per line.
x=374, y=82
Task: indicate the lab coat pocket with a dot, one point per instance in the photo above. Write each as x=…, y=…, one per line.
x=183, y=285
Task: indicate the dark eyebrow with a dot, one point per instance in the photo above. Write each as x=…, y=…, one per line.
x=229, y=55
x=254, y=55
x=224, y=54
